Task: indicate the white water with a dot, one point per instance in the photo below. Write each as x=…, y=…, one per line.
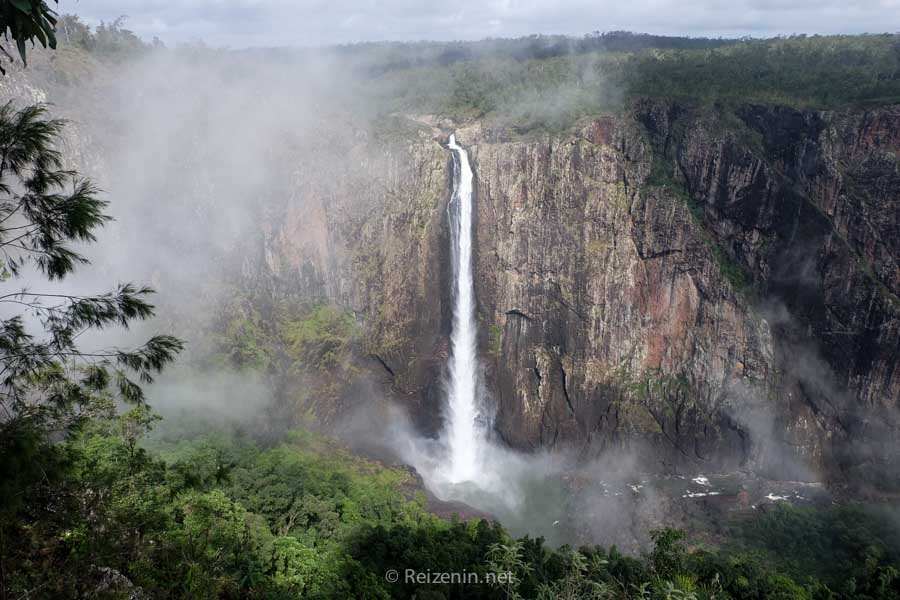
x=462, y=436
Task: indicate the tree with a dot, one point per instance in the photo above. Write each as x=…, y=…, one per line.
x=25, y=21
x=49, y=385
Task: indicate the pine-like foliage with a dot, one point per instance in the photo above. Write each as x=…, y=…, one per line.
x=25, y=21
x=49, y=385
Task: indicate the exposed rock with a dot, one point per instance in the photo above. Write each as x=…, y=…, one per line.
x=623, y=293
x=703, y=288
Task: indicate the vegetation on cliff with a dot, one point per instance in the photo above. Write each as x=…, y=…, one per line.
x=528, y=91
x=547, y=83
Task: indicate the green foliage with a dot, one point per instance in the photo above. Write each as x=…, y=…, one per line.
x=667, y=559
x=317, y=338
x=735, y=274
x=113, y=40
x=245, y=344
x=814, y=71
x=845, y=546
x=307, y=353
x=223, y=517
x=531, y=95
x=495, y=339
x=25, y=21
x=547, y=84
x=508, y=559
x=106, y=40
x=51, y=390
x=50, y=217
x=322, y=338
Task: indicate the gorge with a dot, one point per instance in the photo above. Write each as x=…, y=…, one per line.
x=613, y=316
x=642, y=329
x=671, y=287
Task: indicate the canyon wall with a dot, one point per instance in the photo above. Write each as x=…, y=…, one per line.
x=702, y=289
x=695, y=289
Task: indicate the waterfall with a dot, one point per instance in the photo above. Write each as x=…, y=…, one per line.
x=461, y=434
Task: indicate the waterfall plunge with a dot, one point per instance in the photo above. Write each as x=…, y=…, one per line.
x=464, y=465
x=462, y=436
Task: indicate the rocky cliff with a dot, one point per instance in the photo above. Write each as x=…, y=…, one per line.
x=698, y=288
x=706, y=289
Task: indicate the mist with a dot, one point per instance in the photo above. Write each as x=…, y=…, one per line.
x=206, y=155
x=608, y=314
x=201, y=152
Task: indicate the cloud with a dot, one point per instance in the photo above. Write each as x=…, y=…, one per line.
x=254, y=23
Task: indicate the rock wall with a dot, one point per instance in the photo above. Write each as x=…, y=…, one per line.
x=809, y=204
x=697, y=288
x=614, y=326
x=703, y=289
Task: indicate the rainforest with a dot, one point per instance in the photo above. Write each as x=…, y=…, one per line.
x=613, y=315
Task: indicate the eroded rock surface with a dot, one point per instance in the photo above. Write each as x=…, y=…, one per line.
x=704, y=289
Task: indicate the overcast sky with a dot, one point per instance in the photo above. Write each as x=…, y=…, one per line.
x=245, y=23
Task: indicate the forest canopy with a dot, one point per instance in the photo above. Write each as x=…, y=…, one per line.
x=101, y=500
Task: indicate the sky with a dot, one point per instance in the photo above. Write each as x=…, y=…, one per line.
x=263, y=23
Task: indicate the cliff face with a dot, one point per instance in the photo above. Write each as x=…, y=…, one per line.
x=374, y=239
x=702, y=289
x=811, y=209
x=613, y=325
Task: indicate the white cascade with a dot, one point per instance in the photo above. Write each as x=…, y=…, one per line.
x=462, y=433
